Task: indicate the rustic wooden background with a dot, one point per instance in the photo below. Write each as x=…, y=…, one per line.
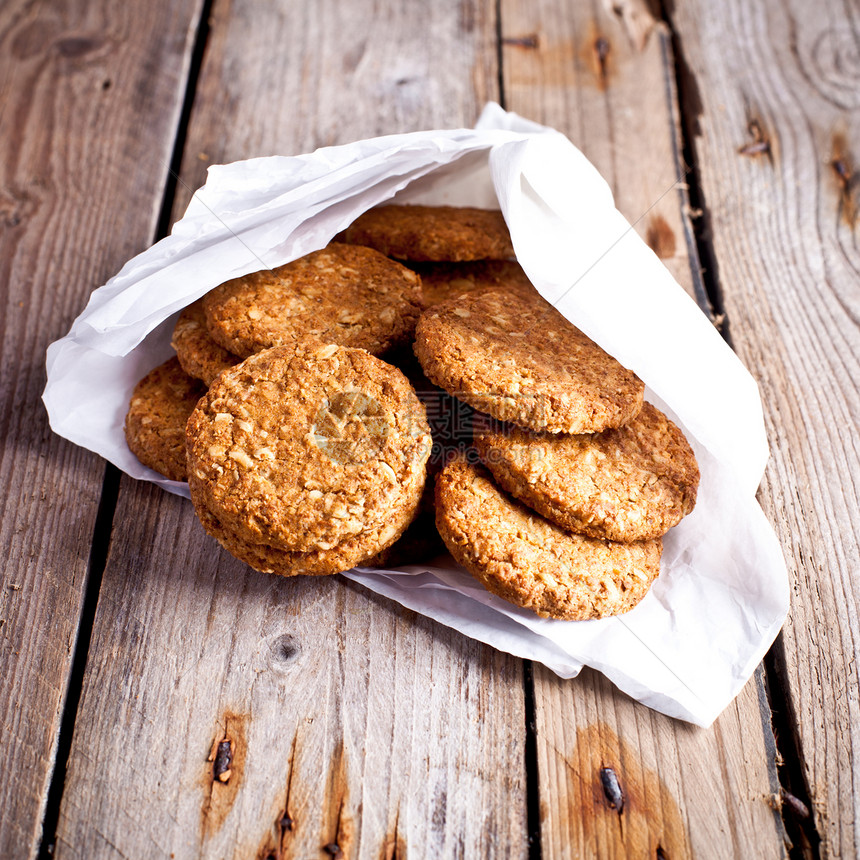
x=131, y=647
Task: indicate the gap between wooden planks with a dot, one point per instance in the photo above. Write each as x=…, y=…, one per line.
x=80, y=192
x=355, y=724
x=607, y=80
x=777, y=91
x=172, y=690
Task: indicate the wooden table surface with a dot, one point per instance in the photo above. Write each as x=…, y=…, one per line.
x=729, y=132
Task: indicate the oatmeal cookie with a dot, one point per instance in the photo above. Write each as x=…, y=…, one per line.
x=626, y=484
x=304, y=447
x=343, y=294
x=361, y=550
x=531, y=562
x=433, y=233
x=198, y=354
x=518, y=359
x=443, y=281
x=155, y=422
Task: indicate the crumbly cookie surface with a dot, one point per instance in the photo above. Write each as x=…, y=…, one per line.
x=443, y=281
x=360, y=550
x=155, y=421
x=304, y=447
x=626, y=484
x=518, y=359
x=343, y=294
x=433, y=233
x=199, y=355
x=525, y=559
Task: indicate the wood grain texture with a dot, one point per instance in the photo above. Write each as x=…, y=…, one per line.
x=382, y=68
x=350, y=722
x=80, y=187
x=782, y=213
x=611, y=89
x=609, y=85
x=352, y=725
x=687, y=792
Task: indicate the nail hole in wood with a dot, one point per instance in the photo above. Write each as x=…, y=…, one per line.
x=223, y=760
x=612, y=789
x=759, y=144
x=601, y=51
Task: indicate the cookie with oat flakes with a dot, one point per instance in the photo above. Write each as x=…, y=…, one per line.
x=433, y=233
x=304, y=447
x=155, y=422
x=361, y=550
x=443, y=281
x=531, y=562
x=515, y=357
x=342, y=294
x=199, y=355
x=627, y=484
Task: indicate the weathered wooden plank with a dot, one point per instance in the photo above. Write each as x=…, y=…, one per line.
x=778, y=88
x=579, y=69
x=81, y=182
x=606, y=79
x=354, y=723
x=383, y=69
x=686, y=791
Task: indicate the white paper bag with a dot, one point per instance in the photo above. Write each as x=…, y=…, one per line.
x=722, y=595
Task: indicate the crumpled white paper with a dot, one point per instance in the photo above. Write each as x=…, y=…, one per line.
x=722, y=594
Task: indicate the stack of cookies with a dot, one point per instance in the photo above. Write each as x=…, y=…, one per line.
x=562, y=501
x=576, y=479
x=305, y=452
x=310, y=458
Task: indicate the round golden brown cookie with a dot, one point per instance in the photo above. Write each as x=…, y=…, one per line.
x=155, y=423
x=531, y=562
x=518, y=359
x=342, y=294
x=266, y=559
x=433, y=233
x=304, y=447
x=627, y=484
x=198, y=354
x=443, y=281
